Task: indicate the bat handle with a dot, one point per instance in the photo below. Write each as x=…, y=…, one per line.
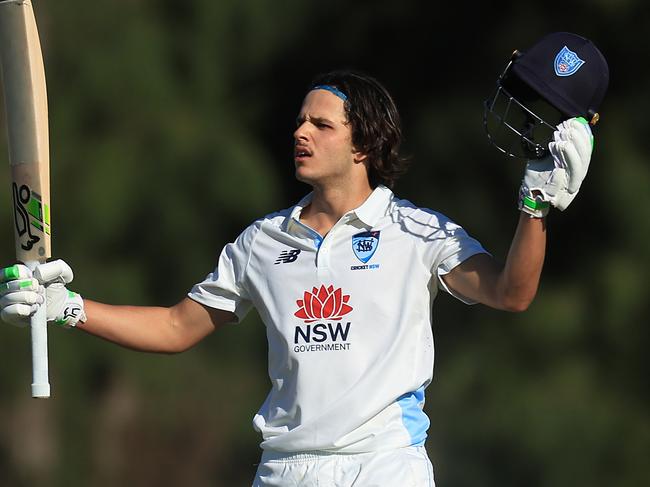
x=40, y=376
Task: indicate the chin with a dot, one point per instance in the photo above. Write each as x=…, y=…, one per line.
x=303, y=176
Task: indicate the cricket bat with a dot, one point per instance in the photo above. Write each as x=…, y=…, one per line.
x=25, y=97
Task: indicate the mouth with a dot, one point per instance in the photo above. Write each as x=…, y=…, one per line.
x=300, y=153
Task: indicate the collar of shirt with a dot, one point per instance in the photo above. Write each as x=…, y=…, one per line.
x=370, y=211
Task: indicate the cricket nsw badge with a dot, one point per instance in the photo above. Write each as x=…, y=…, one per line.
x=567, y=62
x=365, y=244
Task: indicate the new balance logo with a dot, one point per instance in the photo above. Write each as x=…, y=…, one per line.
x=288, y=256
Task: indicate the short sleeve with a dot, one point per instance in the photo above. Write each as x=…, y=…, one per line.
x=224, y=288
x=457, y=247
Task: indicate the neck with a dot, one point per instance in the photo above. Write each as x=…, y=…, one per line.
x=328, y=205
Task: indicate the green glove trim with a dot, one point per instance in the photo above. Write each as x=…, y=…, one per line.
x=61, y=322
x=584, y=121
x=8, y=286
x=11, y=273
x=529, y=202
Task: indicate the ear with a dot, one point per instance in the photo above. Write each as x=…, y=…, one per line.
x=359, y=157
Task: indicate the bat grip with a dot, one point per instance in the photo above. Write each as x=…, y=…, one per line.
x=38, y=326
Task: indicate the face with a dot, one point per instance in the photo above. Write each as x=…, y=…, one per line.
x=323, y=150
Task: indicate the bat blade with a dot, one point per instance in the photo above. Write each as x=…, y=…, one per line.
x=25, y=97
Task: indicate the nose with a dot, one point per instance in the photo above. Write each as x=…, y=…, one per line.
x=301, y=132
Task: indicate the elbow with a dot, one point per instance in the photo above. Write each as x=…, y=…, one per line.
x=518, y=307
x=172, y=351
x=176, y=347
x=518, y=300
x=160, y=348
x=517, y=304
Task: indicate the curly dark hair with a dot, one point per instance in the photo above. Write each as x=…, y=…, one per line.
x=375, y=123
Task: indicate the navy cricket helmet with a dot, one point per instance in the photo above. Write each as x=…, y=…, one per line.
x=561, y=76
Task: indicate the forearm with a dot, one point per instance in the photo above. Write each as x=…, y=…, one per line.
x=519, y=279
x=143, y=328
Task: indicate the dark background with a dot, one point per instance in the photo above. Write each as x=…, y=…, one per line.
x=170, y=127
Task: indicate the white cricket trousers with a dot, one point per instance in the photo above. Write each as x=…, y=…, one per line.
x=403, y=467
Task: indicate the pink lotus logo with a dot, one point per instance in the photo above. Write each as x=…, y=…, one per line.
x=323, y=304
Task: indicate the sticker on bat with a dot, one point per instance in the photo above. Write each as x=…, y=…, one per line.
x=30, y=215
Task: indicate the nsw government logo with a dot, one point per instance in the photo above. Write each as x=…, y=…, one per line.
x=322, y=310
x=365, y=245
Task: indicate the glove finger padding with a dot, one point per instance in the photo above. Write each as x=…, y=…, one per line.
x=18, y=314
x=571, y=150
x=20, y=295
x=573, y=163
x=17, y=308
x=15, y=272
x=556, y=180
x=55, y=271
x=30, y=284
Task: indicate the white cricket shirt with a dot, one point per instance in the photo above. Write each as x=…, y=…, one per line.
x=348, y=320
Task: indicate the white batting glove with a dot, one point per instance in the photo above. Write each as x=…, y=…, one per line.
x=556, y=179
x=22, y=292
x=20, y=295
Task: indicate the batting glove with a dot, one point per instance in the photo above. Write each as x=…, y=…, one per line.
x=556, y=179
x=22, y=292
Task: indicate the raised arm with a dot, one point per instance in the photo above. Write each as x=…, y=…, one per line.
x=510, y=286
x=553, y=181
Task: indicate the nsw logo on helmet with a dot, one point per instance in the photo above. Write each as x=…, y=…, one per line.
x=567, y=62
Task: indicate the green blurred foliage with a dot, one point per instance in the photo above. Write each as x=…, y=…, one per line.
x=170, y=126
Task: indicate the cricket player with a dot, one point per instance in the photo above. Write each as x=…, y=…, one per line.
x=344, y=282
